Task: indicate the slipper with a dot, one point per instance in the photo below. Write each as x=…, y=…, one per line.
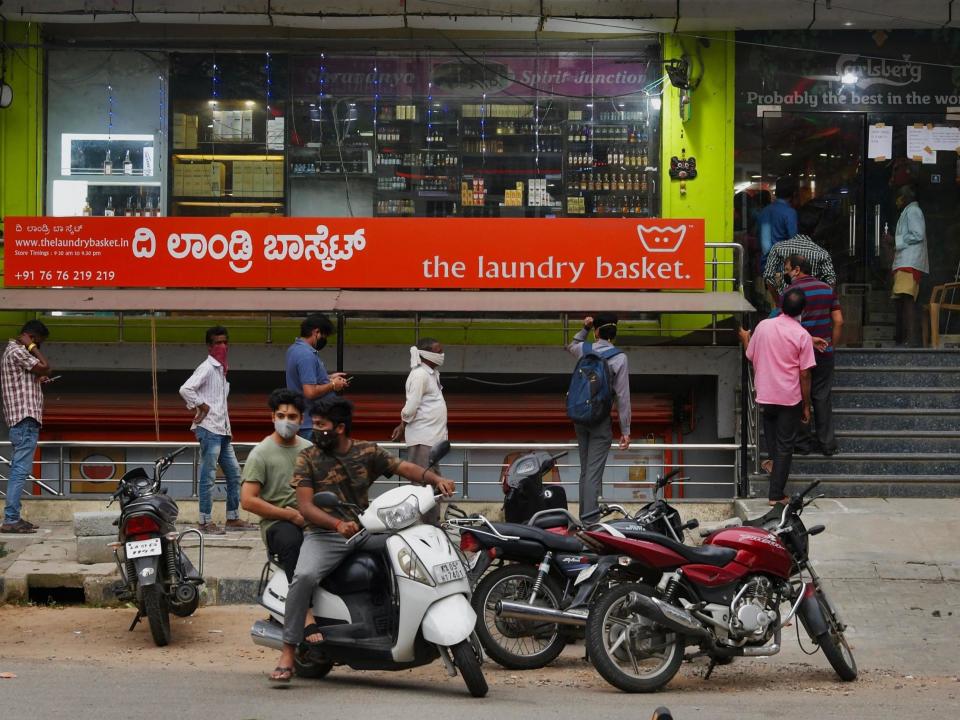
x=17, y=528
x=281, y=674
x=312, y=629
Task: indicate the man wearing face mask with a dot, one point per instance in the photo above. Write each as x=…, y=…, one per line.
x=346, y=467
x=306, y=372
x=206, y=394
x=423, y=419
x=266, y=489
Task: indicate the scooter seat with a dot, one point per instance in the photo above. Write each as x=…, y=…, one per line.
x=551, y=520
x=357, y=573
x=550, y=540
x=703, y=554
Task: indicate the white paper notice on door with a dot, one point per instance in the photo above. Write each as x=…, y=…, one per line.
x=944, y=137
x=880, y=145
x=919, y=144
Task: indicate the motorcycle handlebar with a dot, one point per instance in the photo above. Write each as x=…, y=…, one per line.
x=665, y=480
x=803, y=493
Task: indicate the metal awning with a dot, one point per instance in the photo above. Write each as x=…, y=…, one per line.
x=299, y=301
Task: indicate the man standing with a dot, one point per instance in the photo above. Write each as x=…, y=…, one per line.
x=266, y=489
x=306, y=373
x=823, y=319
x=23, y=370
x=346, y=467
x=423, y=419
x=205, y=392
x=910, y=264
x=594, y=440
x=782, y=354
x=821, y=264
x=778, y=220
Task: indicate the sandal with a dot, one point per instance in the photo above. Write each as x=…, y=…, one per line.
x=766, y=467
x=281, y=674
x=18, y=528
x=312, y=629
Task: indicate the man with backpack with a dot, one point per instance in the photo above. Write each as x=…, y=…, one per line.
x=600, y=379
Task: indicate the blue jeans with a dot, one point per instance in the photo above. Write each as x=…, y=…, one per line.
x=213, y=449
x=23, y=438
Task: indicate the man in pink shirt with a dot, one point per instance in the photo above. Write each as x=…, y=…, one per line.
x=781, y=351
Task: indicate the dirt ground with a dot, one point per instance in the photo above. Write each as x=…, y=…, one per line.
x=218, y=637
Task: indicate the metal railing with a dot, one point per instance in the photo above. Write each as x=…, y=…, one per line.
x=465, y=471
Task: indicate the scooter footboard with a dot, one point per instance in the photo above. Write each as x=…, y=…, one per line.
x=449, y=621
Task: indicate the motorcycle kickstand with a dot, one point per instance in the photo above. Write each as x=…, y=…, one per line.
x=713, y=664
x=135, y=621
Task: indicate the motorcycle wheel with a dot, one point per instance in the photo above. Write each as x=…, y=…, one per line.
x=630, y=651
x=517, y=644
x=467, y=662
x=834, y=643
x=311, y=670
x=158, y=615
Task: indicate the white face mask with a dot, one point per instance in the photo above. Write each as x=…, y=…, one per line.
x=286, y=428
x=416, y=355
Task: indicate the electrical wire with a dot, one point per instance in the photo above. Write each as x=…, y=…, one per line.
x=505, y=384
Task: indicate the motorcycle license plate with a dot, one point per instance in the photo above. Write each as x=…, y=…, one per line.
x=143, y=548
x=449, y=571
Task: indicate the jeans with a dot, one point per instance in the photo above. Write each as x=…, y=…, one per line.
x=23, y=438
x=213, y=449
x=781, y=424
x=594, y=443
x=820, y=435
x=320, y=554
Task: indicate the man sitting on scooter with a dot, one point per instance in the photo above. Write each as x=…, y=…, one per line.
x=346, y=467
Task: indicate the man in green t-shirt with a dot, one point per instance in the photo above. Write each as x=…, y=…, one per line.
x=266, y=489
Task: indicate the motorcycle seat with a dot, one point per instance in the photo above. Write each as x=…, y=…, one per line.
x=357, y=573
x=551, y=520
x=552, y=541
x=703, y=554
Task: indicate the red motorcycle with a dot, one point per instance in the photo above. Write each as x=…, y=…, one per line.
x=724, y=597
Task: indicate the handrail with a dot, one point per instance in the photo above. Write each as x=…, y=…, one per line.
x=60, y=465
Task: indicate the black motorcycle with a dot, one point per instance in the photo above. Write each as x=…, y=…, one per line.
x=155, y=572
x=536, y=601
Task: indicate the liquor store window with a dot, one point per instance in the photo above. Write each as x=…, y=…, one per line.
x=493, y=135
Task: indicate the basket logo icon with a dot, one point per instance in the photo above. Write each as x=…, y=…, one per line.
x=657, y=239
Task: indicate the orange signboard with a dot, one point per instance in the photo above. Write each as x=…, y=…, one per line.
x=281, y=252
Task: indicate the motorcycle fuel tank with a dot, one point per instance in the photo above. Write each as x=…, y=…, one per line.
x=757, y=549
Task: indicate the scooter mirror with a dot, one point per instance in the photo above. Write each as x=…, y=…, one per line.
x=438, y=452
x=326, y=500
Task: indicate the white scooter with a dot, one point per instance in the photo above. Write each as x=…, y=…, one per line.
x=401, y=601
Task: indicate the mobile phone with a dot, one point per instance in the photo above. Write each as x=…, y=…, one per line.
x=55, y=377
x=349, y=379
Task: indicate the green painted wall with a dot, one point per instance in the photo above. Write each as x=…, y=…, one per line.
x=21, y=135
x=707, y=136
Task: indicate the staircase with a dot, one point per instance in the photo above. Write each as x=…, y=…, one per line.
x=897, y=415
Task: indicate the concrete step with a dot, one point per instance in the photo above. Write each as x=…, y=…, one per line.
x=896, y=397
x=887, y=419
x=909, y=357
x=888, y=486
x=898, y=441
x=877, y=464
x=897, y=376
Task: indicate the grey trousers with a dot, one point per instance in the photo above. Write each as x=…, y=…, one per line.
x=418, y=454
x=594, y=445
x=320, y=555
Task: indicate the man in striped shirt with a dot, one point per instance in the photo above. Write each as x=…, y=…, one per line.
x=821, y=264
x=823, y=319
x=206, y=394
x=24, y=371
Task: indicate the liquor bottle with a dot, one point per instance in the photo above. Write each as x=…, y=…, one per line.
x=127, y=164
x=606, y=181
x=108, y=211
x=87, y=210
x=108, y=165
x=130, y=211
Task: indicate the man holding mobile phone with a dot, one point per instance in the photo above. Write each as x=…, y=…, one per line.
x=23, y=371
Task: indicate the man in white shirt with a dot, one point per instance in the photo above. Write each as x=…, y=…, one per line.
x=206, y=394
x=423, y=420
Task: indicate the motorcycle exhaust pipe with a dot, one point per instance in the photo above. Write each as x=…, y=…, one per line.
x=523, y=611
x=670, y=616
x=267, y=634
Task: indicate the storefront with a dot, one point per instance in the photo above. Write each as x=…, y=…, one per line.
x=854, y=116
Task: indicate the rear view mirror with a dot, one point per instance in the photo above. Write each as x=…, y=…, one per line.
x=326, y=500
x=438, y=452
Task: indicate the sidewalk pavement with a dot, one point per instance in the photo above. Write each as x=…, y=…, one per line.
x=867, y=539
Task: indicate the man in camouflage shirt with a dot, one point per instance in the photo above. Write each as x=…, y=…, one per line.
x=346, y=467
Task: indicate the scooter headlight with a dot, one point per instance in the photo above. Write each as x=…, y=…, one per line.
x=411, y=566
x=399, y=516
